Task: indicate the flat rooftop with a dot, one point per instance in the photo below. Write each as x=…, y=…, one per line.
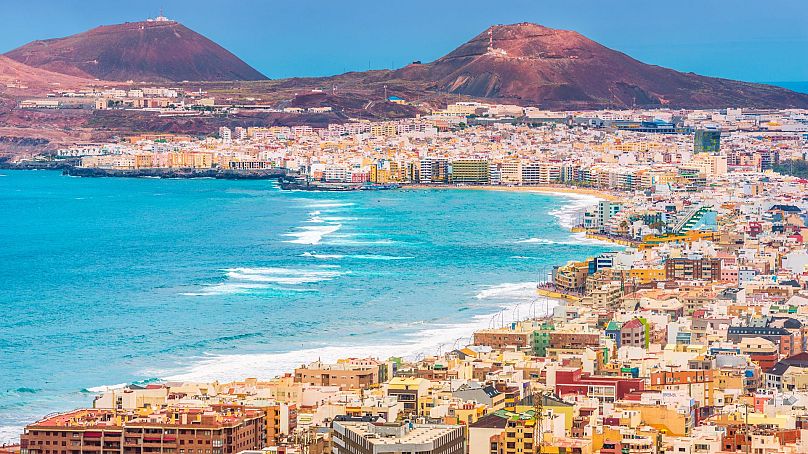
x=420, y=433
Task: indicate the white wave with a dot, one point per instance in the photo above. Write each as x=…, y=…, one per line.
x=429, y=341
x=105, y=388
x=350, y=242
x=297, y=290
x=569, y=214
x=519, y=291
x=226, y=288
x=321, y=256
x=330, y=205
x=312, y=234
x=357, y=257
x=316, y=220
x=338, y=218
x=382, y=257
x=284, y=276
x=245, y=279
x=538, y=241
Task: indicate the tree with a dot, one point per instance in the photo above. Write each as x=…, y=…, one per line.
x=794, y=167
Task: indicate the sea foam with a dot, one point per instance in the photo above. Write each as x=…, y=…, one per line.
x=245, y=280
x=312, y=234
x=515, y=300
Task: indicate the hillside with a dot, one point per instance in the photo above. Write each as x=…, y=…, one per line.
x=151, y=51
x=529, y=63
x=15, y=74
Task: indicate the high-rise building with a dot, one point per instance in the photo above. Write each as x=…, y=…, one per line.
x=225, y=134
x=434, y=170
x=474, y=171
x=707, y=141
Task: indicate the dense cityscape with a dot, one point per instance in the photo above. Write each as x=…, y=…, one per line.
x=532, y=244
x=690, y=337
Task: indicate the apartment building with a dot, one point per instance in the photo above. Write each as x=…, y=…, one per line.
x=212, y=430
x=501, y=338
x=470, y=171
x=345, y=376
x=691, y=269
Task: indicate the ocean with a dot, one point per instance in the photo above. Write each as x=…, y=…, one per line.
x=111, y=281
x=801, y=87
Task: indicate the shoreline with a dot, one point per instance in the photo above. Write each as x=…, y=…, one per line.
x=425, y=342
x=516, y=298
x=546, y=189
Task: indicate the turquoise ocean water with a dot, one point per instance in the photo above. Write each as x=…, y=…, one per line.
x=110, y=281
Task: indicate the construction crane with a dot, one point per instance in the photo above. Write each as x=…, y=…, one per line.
x=304, y=439
x=538, y=413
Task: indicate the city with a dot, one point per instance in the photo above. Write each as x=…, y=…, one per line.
x=530, y=244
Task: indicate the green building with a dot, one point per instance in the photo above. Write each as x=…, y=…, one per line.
x=540, y=339
x=471, y=171
x=707, y=141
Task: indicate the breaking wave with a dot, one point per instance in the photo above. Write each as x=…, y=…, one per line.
x=246, y=280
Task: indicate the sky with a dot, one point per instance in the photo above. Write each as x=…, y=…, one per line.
x=758, y=41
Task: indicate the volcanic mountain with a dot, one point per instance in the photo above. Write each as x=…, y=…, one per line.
x=150, y=51
x=531, y=64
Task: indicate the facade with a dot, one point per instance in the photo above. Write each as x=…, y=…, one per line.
x=434, y=170
x=598, y=218
x=690, y=269
x=633, y=333
x=501, y=338
x=222, y=430
x=571, y=277
x=346, y=376
x=470, y=171
x=409, y=391
x=602, y=388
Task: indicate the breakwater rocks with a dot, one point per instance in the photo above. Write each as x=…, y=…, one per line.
x=223, y=174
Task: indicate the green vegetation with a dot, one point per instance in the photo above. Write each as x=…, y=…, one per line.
x=794, y=167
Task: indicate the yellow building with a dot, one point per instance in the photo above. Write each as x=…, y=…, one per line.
x=571, y=277
x=144, y=161
x=665, y=419
x=409, y=391
x=473, y=171
x=646, y=275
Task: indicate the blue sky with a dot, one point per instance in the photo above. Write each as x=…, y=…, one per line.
x=739, y=39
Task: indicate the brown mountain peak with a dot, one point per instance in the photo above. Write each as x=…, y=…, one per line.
x=531, y=64
x=153, y=51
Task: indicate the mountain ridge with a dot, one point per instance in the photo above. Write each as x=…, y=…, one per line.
x=530, y=63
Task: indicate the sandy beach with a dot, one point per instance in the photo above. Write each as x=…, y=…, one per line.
x=545, y=189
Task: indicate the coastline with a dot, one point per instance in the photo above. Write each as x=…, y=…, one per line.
x=512, y=302
x=429, y=341
x=547, y=189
